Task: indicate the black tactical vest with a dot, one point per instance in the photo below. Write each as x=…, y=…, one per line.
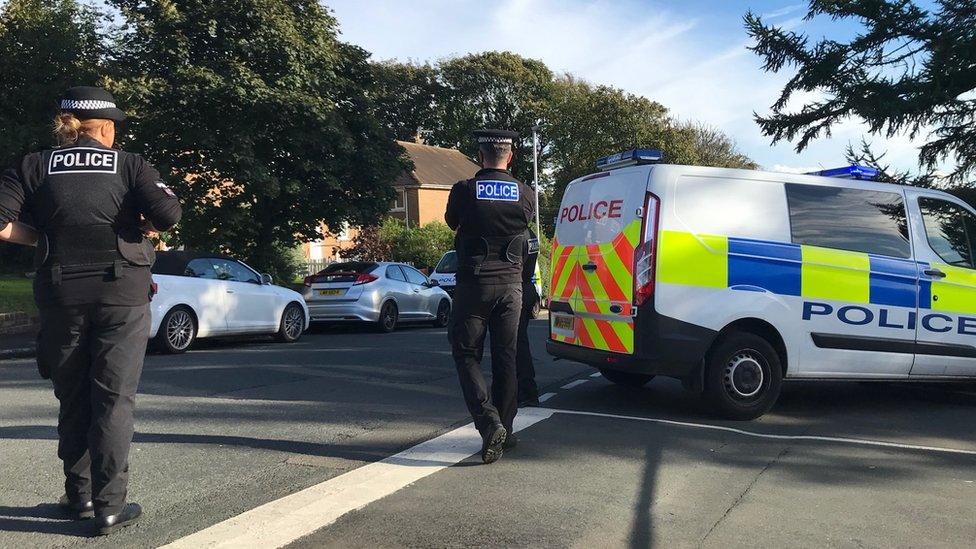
x=491, y=238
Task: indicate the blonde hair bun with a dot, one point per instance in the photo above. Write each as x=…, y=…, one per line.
x=68, y=128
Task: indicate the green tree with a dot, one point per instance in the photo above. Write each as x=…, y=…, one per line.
x=393, y=240
x=46, y=46
x=259, y=117
x=907, y=70
x=408, y=97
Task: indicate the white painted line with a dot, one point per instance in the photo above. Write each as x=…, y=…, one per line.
x=282, y=521
x=859, y=441
x=598, y=374
x=546, y=397
x=572, y=384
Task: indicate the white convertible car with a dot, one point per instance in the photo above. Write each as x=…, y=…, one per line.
x=201, y=295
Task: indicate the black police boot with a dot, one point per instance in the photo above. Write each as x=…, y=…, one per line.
x=493, y=442
x=127, y=516
x=511, y=441
x=76, y=511
x=529, y=403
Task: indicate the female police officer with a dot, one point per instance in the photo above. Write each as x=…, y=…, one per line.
x=90, y=205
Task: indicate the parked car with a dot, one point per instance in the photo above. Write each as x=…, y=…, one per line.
x=206, y=295
x=381, y=293
x=445, y=273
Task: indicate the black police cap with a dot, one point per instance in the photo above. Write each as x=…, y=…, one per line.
x=495, y=136
x=87, y=102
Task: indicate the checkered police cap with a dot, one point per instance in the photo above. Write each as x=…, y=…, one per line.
x=495, y=136
x=88, y=102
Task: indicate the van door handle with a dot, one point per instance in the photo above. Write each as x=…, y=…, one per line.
x=230, y=291
x=589, y=267
x=934, y=273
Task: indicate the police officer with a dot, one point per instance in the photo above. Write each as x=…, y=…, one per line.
x=91, y=206
x=528, y=390
x=490, y=213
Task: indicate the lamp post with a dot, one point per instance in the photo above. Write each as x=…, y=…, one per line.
x=535, y=171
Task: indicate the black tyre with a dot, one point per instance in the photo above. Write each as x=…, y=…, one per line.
x=389, y=315
x=743, y=376
x=627, y=379
x=443, y=314
x=292, y=324
x=536, y=309
x=177, y=331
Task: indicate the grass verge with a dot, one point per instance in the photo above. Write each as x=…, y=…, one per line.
x=16, y=295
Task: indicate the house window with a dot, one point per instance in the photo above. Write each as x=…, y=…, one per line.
x=400, y=201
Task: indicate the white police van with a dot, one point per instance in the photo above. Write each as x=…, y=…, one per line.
x=734, y=280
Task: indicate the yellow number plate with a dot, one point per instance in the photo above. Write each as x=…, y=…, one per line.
x=563, y=322
x=330, y=292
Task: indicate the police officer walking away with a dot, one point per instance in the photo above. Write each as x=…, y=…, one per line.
x=528, y=390
x=490, y=213
x=91, y=206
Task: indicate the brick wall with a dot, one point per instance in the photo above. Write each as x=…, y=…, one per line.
x=431, y=204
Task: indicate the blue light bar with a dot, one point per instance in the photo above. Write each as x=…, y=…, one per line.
x=849, y=172
x=632, y=157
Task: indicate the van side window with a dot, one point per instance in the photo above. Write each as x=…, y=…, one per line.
x=950, y=230
x=871, y=222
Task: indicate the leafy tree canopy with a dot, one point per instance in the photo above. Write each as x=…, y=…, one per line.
x=908, y=70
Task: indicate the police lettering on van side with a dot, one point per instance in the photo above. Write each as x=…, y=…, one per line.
x=83, y=160
x=603, y=209
x=856, y=315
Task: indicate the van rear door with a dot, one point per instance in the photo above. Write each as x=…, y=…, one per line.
x=592, y=286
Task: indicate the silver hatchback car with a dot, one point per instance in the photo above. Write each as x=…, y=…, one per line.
x=382, y=293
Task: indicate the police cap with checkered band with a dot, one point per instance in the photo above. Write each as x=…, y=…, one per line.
x=87, y=102
x=495, y=136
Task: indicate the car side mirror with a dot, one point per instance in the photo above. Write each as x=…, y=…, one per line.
x=433, y=283
x=266, y=279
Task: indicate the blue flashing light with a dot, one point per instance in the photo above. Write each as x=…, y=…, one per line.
x=849, y=172
x=632, y=157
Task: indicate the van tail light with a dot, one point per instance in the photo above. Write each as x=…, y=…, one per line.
x=365, y=278
x=645, y=255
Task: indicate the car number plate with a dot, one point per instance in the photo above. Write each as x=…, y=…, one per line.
x=562, y=322
x=330, y=292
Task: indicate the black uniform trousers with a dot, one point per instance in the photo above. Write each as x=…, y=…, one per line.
x=94, y=355
x=496, y=310
x=528, y=390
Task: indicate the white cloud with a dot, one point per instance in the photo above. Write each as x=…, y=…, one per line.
x=698, y=71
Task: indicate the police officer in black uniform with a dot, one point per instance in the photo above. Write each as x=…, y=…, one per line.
x=528, y=390
x=90, y=206
x=490, y=213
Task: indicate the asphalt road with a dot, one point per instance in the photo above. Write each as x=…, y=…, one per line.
x=234, y=425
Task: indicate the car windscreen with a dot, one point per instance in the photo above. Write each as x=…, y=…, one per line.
x=448, y=263
x=345, y=272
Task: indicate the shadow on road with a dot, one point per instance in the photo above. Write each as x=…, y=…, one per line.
x=45, y=518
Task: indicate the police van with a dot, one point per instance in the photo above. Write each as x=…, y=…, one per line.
x=734, y=280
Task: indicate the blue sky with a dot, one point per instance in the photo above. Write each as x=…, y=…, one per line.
x=689, y=55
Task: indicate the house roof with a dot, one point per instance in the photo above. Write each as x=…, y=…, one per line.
x=435, y=166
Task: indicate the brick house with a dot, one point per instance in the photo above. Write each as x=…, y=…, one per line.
x=421, y=195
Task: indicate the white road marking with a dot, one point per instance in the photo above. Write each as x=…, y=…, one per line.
x=572, y=384
x=282, y=521
x=598, y=374
x=815, y=438
x=546, y=397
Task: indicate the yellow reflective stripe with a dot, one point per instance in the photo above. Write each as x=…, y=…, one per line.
x=593, y=331
x=956, y=292
x=625, y=331
x=620, y=273
x=693, y=260
x=632, y=233
x=560, y=285
x=835, y=274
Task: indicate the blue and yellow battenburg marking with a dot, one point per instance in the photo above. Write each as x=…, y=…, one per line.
x=811, y=272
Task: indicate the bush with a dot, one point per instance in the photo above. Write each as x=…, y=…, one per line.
x=421, y=247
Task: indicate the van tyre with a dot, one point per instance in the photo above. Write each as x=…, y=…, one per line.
x=627, y=379
x=743, y=376
x=177, y=331
x=443, y=314
x=292, y=324
x=389, y=316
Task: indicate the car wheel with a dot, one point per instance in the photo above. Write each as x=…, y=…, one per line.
x=536, y=309
x=292, y=324
x=627, y=379
x=443, y=314
x=388, y=317
x=177, y=331
x=743, y=376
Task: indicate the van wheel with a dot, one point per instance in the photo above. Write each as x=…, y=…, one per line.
x=743, y=376
x=388, y=317
x=177, y=331
x=627, y=379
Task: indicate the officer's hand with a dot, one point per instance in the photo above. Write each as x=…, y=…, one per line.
x=147, y=228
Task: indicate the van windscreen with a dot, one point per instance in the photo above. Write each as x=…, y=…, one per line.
x=448, y=264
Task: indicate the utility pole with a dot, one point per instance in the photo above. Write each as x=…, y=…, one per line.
x=535, y=171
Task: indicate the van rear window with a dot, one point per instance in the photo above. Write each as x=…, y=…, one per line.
x=857, y=220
